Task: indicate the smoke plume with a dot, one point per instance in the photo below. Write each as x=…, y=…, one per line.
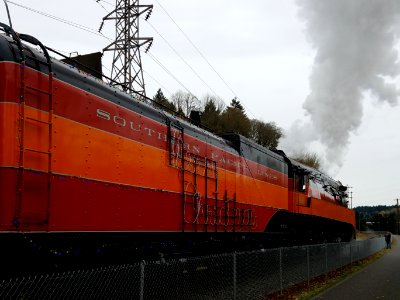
x=355, y=54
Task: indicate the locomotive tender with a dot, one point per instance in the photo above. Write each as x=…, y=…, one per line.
x=86, y=168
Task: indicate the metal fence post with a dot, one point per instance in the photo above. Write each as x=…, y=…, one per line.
x=326, y=259
x=308, y=265
x=280, y=270
x=234, y=276
x=351, y=253
x=141, y=292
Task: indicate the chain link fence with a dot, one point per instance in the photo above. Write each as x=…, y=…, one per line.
x=244, y=275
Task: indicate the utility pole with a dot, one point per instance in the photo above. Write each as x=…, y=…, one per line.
x=397, y=216
x=127, y=66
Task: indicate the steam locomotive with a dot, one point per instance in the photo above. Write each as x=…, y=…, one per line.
x=87, y=170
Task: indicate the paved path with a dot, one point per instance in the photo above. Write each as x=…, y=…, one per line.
x=380, y=280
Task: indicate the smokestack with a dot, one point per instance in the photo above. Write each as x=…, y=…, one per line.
x=355, y=54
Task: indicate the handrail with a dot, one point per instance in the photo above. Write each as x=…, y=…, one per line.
x=8, y=12
x=34, y=41
x=8, y=29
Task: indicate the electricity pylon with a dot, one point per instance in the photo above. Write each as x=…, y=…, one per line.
x=127, y=66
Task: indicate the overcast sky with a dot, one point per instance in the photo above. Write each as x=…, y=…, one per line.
x=279, y=58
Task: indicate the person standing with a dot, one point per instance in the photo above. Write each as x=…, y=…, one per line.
x=388, y=239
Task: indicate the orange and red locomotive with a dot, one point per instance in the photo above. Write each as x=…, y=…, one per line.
x=86, y=167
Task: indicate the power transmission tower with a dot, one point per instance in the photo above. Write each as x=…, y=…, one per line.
x=127, y=66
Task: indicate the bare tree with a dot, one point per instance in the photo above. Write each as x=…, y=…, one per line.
x=185, y=102
x=217, y=101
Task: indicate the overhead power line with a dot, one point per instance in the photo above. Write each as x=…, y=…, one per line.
x=76, y=25
x=202, y=55
x=180, y=56
x=109, y=3
x=98, y=1
x=168, y=72
x=196, y=48
x=156, y=81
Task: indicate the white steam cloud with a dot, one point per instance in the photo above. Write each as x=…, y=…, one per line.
x=355, y=53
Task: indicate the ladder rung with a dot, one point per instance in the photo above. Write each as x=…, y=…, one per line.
x=38, y=151
x=38, y=90
x=39, y=121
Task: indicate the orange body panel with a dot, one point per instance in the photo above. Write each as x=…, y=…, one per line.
x=329, y=210
x=83, y=151
x=87, y=152
x=9, y=134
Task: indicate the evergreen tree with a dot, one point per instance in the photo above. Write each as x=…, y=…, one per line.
x=162, y=102
x=210, y=116
x=234, y=119
x=235, y=103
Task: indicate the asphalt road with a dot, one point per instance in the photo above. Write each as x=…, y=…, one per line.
x=380, y=280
